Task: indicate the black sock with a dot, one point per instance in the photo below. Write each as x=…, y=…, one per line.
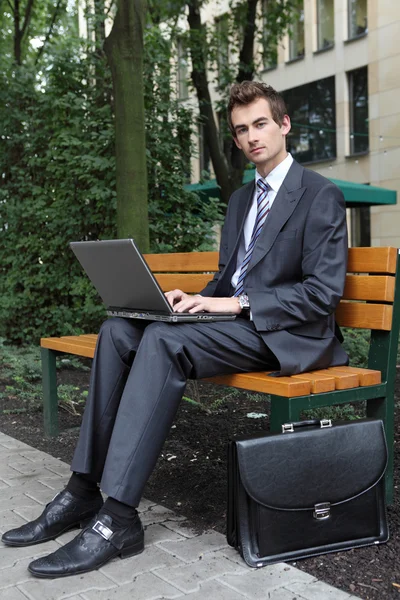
x=121, y=514
x=82, y=486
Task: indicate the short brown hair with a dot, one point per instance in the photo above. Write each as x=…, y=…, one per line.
x=247, y=91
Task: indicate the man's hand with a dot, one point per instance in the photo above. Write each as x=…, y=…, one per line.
x=182, y=302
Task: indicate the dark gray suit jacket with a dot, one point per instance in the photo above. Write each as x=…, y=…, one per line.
x=296, y=275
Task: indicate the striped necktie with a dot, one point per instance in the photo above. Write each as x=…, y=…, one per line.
x=262, y=213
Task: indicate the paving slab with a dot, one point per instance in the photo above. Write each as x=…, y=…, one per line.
x=144, y=587
x=178, y=562
x=55, y=589
x=256, y=584
x=317, y=590
x=157, y=533
x=13, y=593
x=9, y=519
x=190, y=577
x=156, y=513
x=214, y=590
x=152, y=559
x=193, y=548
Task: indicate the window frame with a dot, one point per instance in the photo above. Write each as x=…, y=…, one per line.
x=320, y=46
x=294, y=39
x=267, y=66
x=350, y=23
x=182, y=70
x=317, y=150
x=352, y=137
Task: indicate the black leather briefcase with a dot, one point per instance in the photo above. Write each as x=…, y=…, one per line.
x=317, y=487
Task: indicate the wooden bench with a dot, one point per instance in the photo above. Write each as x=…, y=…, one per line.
x=371, y=301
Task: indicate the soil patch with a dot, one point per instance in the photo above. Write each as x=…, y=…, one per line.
x=190, y=476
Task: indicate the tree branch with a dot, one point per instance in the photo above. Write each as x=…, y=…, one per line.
x=50, y=30
x=246, y=58
x=11, y=6
x=28, y=14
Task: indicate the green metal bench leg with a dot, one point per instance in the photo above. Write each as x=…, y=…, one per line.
x=283, y=410
x=50, y=400
x=380, y=408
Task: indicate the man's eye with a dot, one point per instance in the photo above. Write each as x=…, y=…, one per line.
x=262, y=124
x=241, y=131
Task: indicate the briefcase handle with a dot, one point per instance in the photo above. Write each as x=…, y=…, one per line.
x=322, y=423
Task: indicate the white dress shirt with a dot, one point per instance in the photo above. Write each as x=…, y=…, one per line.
x=274, y=180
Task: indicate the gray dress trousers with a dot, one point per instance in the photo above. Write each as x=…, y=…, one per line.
x=138, y=377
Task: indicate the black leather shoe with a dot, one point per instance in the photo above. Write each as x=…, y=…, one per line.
x=64, y=512
x=91, y=549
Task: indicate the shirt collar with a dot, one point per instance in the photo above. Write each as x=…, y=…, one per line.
x=277, y=175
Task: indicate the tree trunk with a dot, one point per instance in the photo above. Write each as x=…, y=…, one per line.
x=124, y=50
x=99, y=37
x=20, y=32
x=17, y=34
x=200, y=82
x=245, y=73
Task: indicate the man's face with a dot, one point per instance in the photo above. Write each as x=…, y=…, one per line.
x=262, y=140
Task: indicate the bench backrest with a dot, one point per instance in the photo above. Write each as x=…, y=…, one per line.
x=371, y=297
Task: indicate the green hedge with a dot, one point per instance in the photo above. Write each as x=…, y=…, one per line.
x=57, y=162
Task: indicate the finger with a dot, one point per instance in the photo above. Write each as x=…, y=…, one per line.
x=186, y=304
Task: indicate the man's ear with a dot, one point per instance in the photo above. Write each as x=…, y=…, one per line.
x=286, y=125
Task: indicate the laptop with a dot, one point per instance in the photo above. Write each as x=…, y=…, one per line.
x=126, y=284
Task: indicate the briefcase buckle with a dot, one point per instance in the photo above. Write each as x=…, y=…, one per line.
x=325, y=423
x=322, y=511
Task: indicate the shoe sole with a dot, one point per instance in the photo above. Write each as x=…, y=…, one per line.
x=124, y=553
x=80, y=525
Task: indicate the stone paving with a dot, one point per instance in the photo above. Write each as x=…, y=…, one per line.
x=176, y=563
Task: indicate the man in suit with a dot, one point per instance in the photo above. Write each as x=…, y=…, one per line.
x=282, y=269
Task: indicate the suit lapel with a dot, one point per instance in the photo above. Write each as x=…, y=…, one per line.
x=235, y=233
x=241, y=215
x=283, y=206
x=244, y=207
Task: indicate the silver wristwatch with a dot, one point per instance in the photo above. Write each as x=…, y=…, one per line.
x=244, y=303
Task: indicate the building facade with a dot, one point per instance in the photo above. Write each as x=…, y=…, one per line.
x=338, y=72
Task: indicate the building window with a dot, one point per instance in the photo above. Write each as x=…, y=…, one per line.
x=182, y=71
x=312, y=111
x=296, y=39
x=325, y=24
x=358, y=102
x=358, y=21
x=269, y=46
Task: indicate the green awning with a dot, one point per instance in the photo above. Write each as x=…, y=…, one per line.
x=358, y=194
x=355, y=194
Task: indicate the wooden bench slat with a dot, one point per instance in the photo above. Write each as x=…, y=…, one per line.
x=358, y=287
x=361, y=260
x=365, y=376
x=191, y=283
x=189, y=262
x=319, y=383
x=372, y=260
x=343, y=381
x=78, y=341
x=65, y=346
x=364, y=316
x=379, y=288
x=260, y=382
